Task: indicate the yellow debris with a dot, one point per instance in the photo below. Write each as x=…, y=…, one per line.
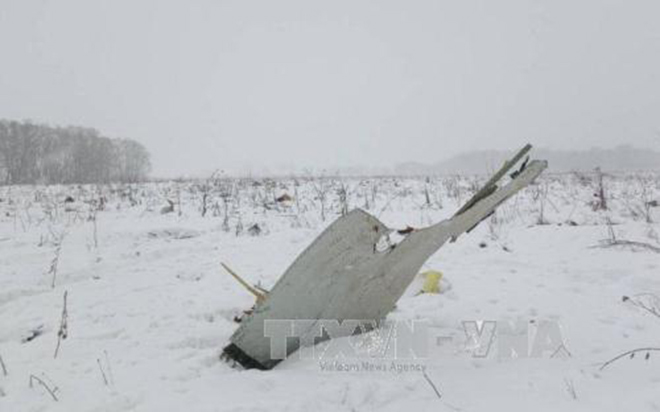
x=431, y=281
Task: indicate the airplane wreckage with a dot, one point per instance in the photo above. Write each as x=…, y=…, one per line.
x=346, y=273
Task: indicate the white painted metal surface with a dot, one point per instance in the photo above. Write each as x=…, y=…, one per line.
x=342, y=274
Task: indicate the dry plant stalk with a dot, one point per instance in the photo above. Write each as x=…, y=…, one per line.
x=651, y=307
x=105, y=378
x=63, y=332
x=570, y=388
x=44, y=385
x=3, y=366
x=54, y=263
x=630, y=354
x=435, y=389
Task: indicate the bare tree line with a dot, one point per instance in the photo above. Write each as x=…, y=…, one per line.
x=36, y=153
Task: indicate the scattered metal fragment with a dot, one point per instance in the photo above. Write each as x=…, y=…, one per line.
x=343, y=274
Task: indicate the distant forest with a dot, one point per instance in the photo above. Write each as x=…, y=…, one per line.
x=36, y=153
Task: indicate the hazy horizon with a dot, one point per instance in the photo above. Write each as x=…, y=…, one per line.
x=259, y=86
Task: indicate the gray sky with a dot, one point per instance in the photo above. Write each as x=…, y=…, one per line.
x=248, y=85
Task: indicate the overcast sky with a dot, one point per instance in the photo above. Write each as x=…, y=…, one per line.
x=248, y=85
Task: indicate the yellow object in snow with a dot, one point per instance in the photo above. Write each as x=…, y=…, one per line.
x=431, y=281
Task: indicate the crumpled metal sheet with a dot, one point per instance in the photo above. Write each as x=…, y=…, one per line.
x=344, y=275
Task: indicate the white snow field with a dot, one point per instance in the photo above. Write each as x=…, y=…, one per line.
x=149, y=307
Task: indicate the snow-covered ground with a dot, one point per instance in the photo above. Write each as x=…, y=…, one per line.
x=149, y=308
